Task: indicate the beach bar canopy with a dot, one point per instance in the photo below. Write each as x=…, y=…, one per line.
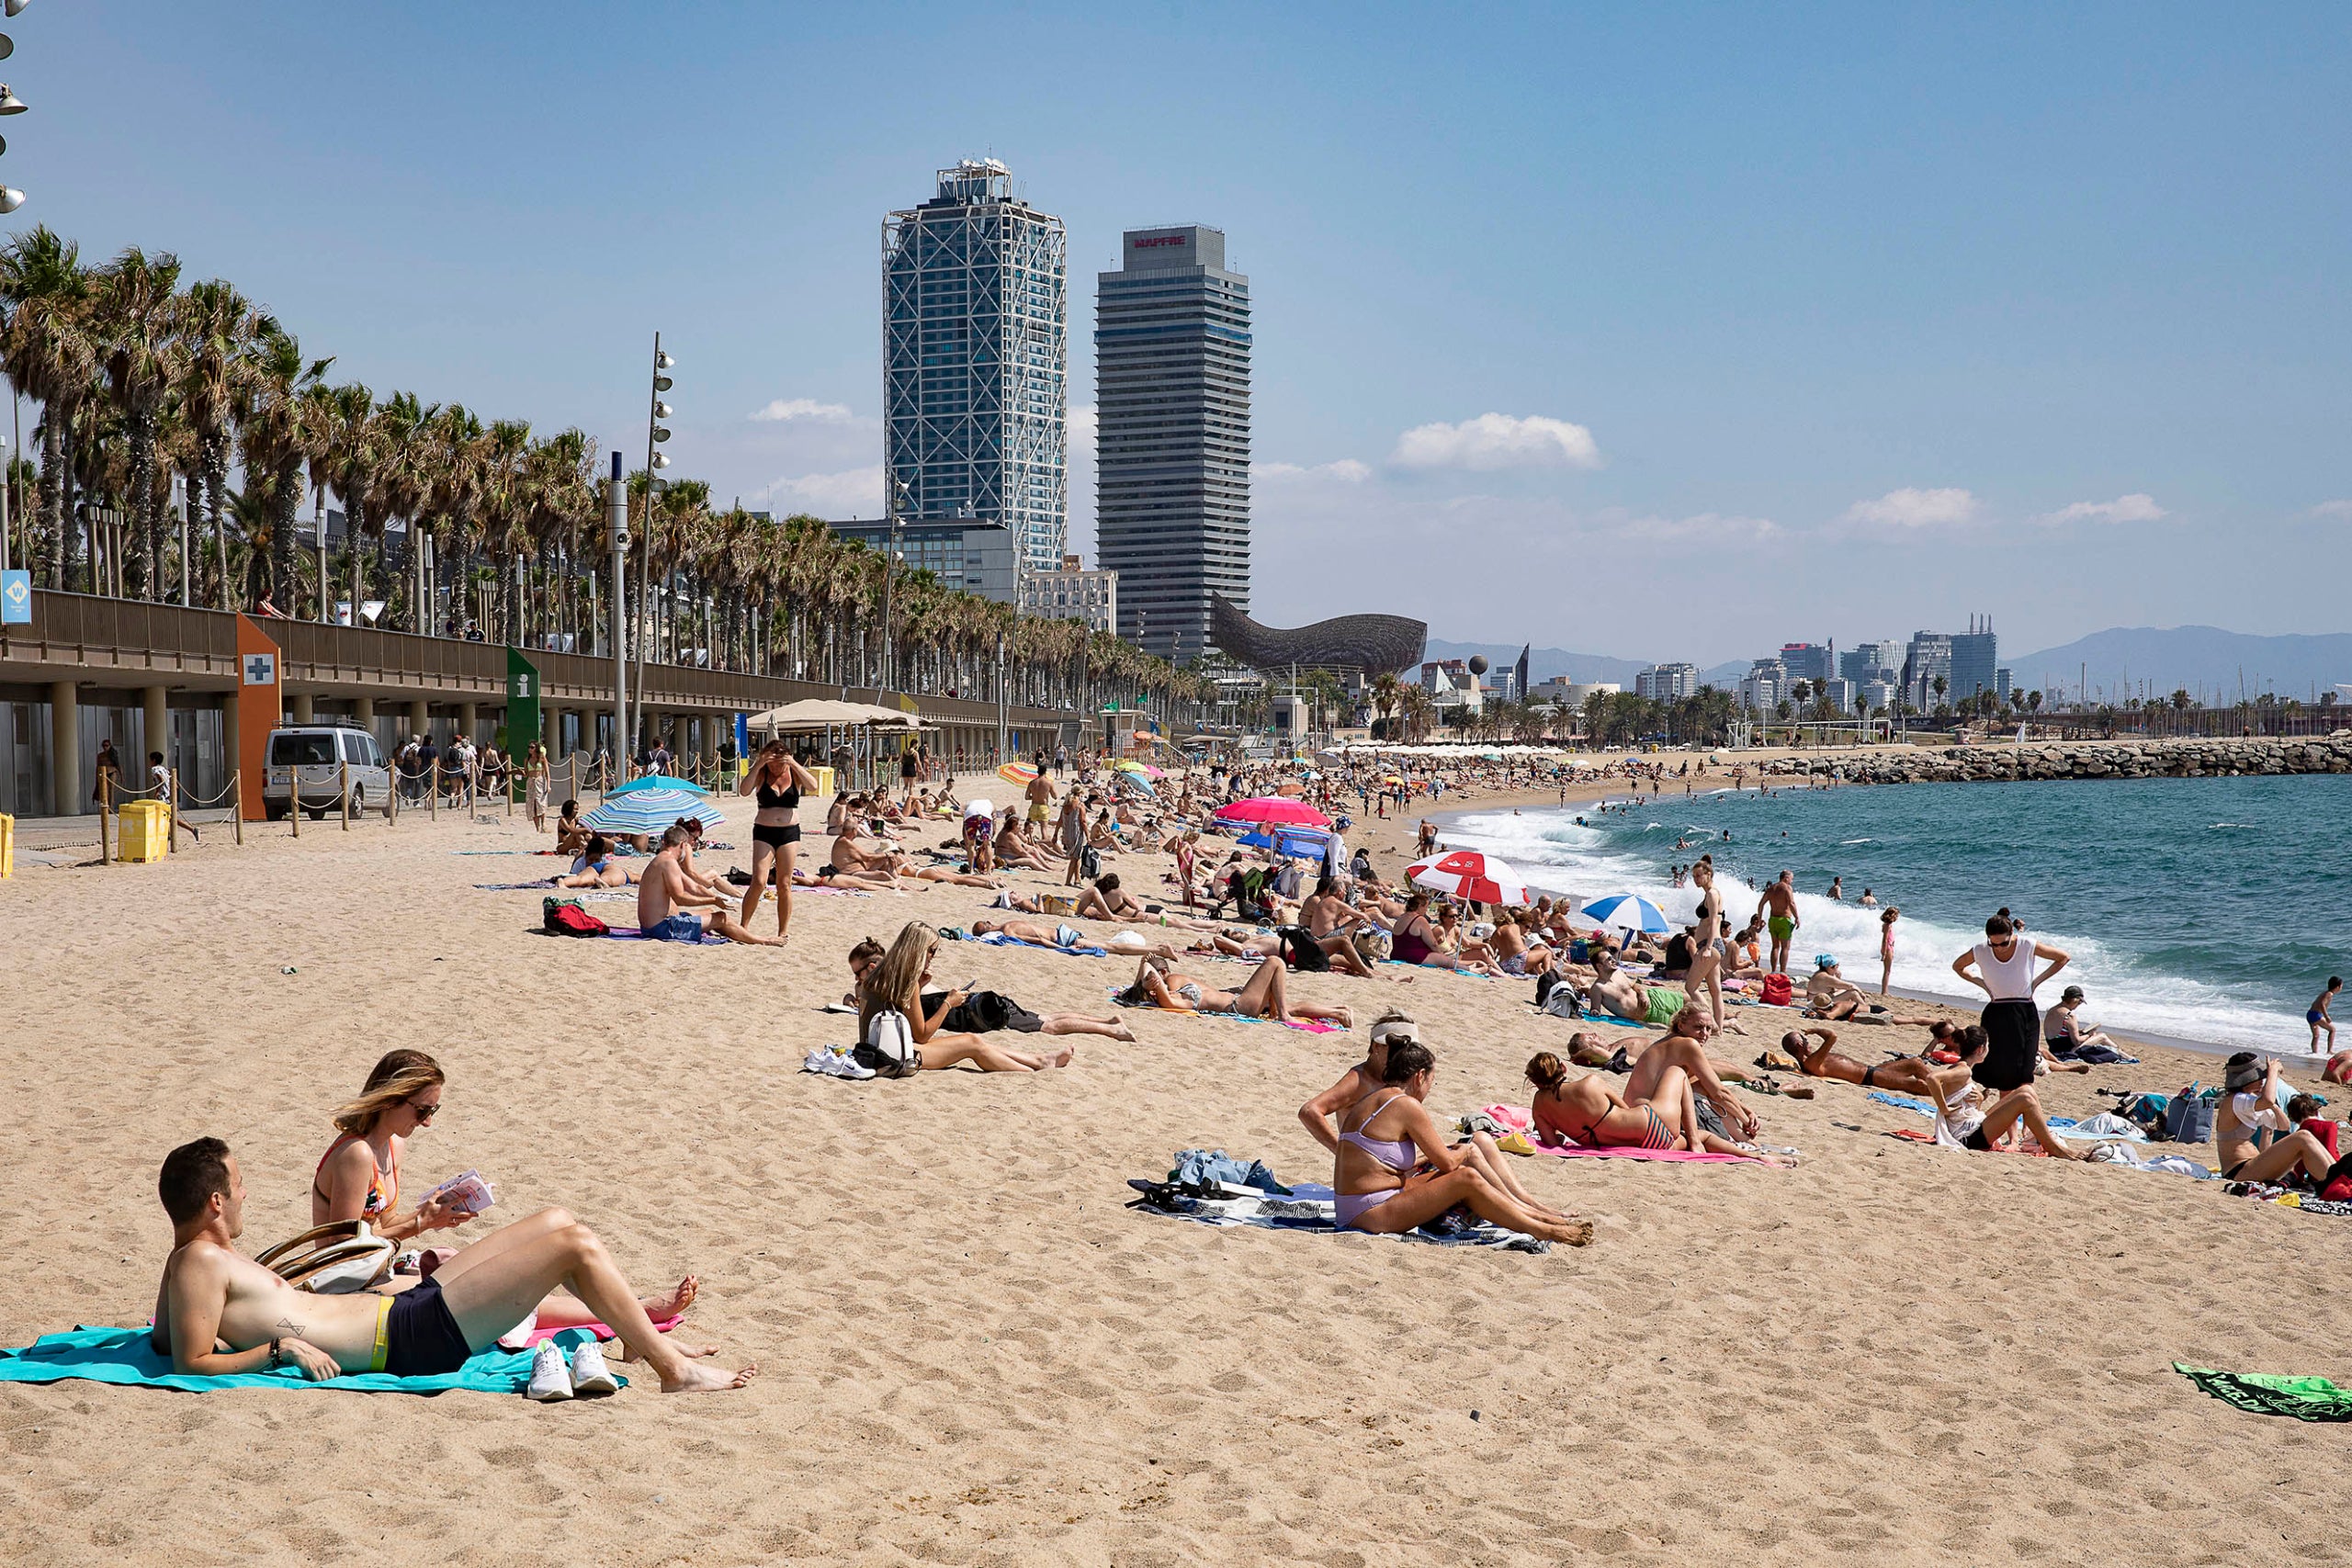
x=818, y=712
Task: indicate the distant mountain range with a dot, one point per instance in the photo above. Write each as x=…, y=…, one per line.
x=2204, y=660
x=2197, y=657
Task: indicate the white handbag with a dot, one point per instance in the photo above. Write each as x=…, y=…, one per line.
x=890, y=1041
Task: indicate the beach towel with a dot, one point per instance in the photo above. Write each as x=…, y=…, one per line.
x=1310, y=1208
x=539, y=1337
x=1307, y=1025
x=1694, y=1156
x=997, y=938
x=631, y=934
x=2268, y=1394
x=124, y=1356
x=514, y=887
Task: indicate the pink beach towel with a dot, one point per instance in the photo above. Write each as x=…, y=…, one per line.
x=1519, y=1119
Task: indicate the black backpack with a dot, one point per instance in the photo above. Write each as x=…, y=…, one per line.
x=1301, y=951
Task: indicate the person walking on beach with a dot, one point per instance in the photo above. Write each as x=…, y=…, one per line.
x=1779, y=908
x=2002, y=967
x=1706, y=942
x=2317, y=1016
x=1886, y=947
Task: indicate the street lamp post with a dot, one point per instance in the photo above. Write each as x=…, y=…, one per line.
x=617, y=531
x=889, y=572
x=655, y=461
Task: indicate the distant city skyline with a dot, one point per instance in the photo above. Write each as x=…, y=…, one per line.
x=1999, y=310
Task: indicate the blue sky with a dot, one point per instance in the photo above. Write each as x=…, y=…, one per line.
x=1656, y=332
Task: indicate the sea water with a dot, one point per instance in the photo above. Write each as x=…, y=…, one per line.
x=2205, y=911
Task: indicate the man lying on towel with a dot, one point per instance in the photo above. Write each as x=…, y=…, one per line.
x=220, y=1313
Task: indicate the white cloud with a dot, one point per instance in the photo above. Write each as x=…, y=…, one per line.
x=788, y=409
x=1345, y=470
x=1913, y=508
x=1705, y=527
x=2333, y=509
x=854, y=492
x=1498, y=441
x=2122, y=509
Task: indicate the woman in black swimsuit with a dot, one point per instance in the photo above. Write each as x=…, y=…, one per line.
x=777, y=827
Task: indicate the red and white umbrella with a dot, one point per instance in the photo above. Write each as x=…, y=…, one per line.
x=1467, y=873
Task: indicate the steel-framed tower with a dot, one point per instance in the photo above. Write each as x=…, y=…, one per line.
x=975, y=359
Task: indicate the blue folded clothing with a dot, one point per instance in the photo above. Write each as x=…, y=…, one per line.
x=126, y=1356
x=1310, y=1208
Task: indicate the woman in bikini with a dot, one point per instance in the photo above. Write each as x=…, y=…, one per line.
x=359, y=1179
x=777, y=777
x=1414, y=940
x=1479, y=1151
x=1706, y=959
x=1586, y=1112
x=1156, y=984
x=1385, y=1139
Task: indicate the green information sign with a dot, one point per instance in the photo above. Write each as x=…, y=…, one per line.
x=521, y=704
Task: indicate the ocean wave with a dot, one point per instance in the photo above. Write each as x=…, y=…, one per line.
x=1557, y=857
x=1844, y=843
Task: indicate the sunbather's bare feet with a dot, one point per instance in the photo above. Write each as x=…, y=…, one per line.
x=1062, y=1057
x=706, y=1380
x=1569, y=1232
x=1120, y=1030
x=692, y=1352
x=676, y=1304
x=1347, y=1018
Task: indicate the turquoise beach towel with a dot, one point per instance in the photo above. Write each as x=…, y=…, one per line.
x=124, y=1356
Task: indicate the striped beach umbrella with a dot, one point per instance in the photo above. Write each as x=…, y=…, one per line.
x=1627, y=911
x=650, y=810
x=1020, y=773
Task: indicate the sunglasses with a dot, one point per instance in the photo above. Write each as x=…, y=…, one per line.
x=424, y=1112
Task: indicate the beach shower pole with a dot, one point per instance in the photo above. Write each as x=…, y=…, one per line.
x=617, y=527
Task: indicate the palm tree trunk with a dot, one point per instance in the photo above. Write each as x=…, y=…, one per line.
x=57, y=544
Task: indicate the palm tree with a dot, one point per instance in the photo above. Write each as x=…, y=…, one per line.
x=49, y=355
x=218, y=328
x=134, y=317
x=273, y=439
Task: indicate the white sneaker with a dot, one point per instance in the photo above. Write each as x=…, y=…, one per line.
x=550, y=1379
x=589, y=1376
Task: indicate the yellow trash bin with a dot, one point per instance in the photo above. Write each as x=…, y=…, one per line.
x=8, y=845
x=824, y=781
x=146, y=831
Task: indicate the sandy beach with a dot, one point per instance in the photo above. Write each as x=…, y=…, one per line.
x=971, y=1351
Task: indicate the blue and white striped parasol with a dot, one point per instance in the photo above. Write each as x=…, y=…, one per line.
x=650, y=810
x=1627, y=911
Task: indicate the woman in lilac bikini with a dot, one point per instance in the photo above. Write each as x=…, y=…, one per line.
x=1388, y=1133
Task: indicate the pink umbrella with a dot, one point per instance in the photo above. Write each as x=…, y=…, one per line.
x=1467, y=873
x=1266, y=809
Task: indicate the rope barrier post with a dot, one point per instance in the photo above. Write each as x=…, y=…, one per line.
x=433, y=789
x=105, y=818
x=237, y=811
x=294, y=796
x=347, y=797
x=171, y=836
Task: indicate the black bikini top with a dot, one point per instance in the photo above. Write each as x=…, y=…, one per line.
x=788, y=798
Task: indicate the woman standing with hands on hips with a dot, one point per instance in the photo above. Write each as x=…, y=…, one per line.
x=778, y=778
x=2002, y=967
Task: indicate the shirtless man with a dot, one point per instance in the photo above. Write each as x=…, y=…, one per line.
x=1904, y=1075
x=1104, y=899
x=219, y=1313
x=1330, y=918
x=667, y=898
x=1628, y=998
x=1779, y=908
x=869, y=863
x=1830, y=995
x=1039, y=794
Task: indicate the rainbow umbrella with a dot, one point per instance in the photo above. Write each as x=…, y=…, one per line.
x=1020, y=773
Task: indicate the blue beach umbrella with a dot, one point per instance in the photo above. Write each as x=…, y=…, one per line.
x=1627, y=911
x=651, y=781
x=639, y=810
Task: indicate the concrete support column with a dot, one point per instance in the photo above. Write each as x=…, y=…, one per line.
x=677, y=735
x=159, y=731
x=65, y=749
x=466, y=720
x=710, y=722
x=418, y=717
x=364, y=710
x=306, y=708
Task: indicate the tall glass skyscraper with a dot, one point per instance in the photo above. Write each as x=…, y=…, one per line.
x=1172, y=346
x=975, y=357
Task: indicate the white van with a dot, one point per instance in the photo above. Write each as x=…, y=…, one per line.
x=319, y=753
